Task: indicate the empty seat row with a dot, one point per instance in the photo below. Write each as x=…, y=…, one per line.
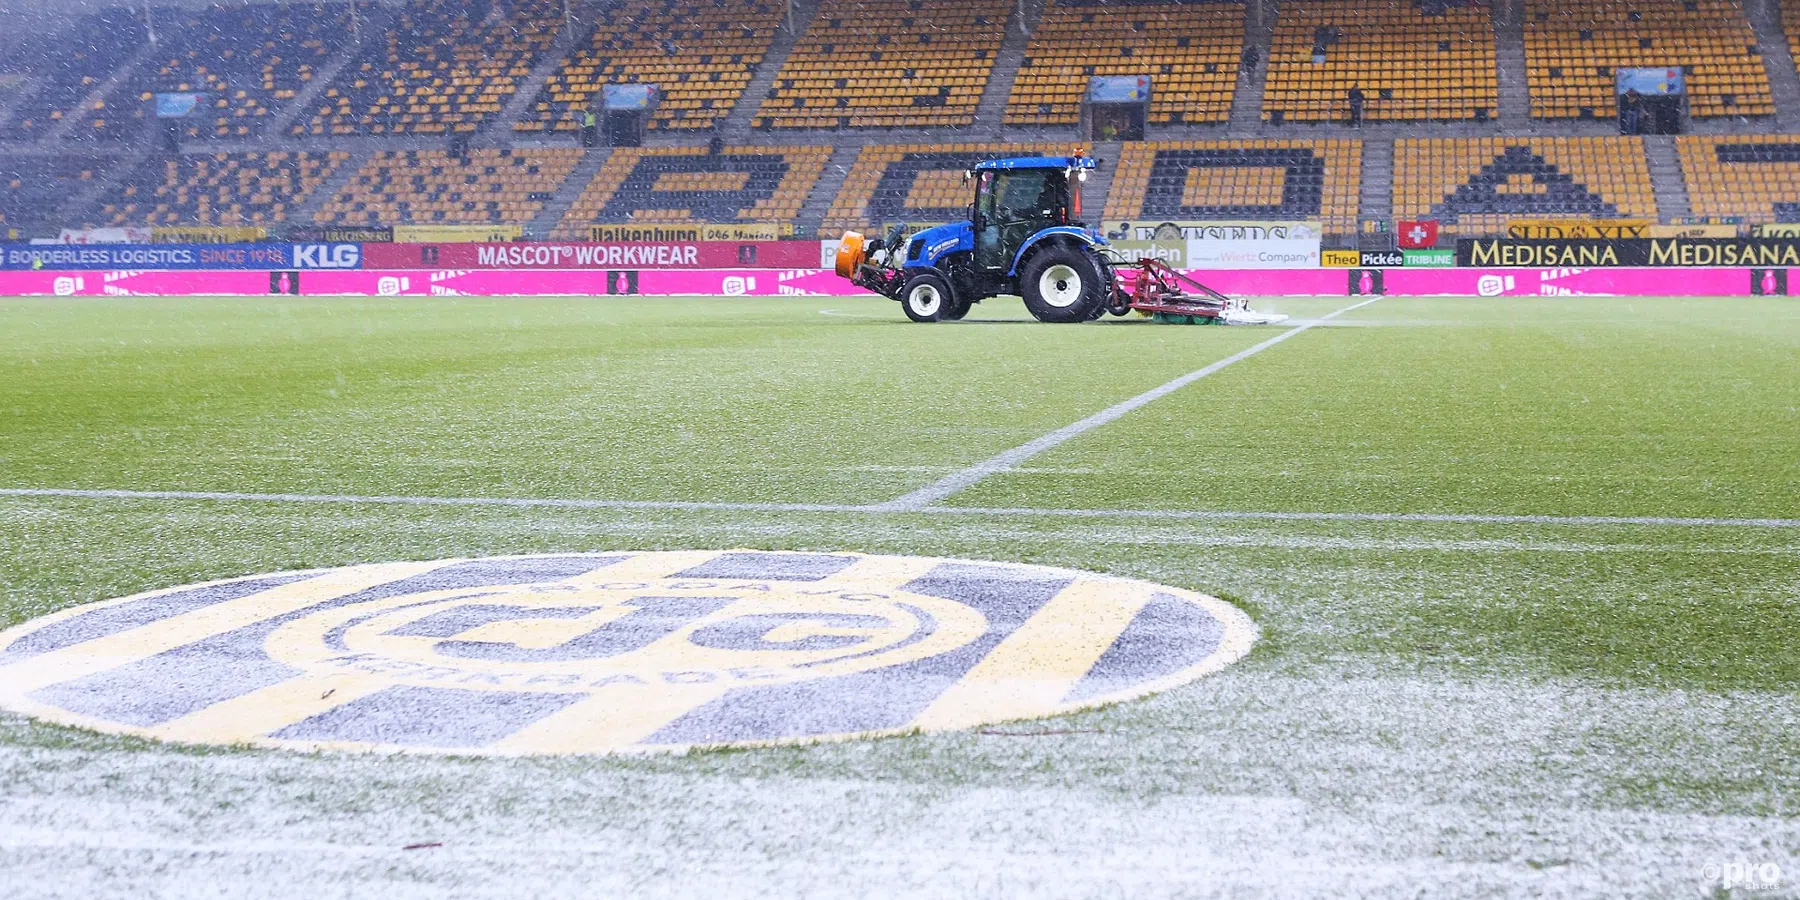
x=248, y=63
x=35, y=191
x=1189, y=51
x=701, y=55
x=1409, y=62
x=1574, y=49
x=426, y=187
x=444, y=67
x=1752, y=177
x=887, y=63
x=229, y=189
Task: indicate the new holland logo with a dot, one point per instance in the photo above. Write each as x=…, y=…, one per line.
x=599, y=653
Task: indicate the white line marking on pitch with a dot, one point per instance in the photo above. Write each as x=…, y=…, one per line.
x=989, y=511
x=967, y=478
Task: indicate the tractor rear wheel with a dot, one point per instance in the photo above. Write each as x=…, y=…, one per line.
x=1062, y=284
x=926, y=297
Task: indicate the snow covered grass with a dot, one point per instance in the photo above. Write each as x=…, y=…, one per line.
x=1437, y=709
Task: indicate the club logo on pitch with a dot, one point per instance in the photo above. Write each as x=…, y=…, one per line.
x=593, y=653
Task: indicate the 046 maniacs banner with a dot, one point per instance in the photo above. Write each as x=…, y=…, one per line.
x=678, y=255
x=159, y=257
x=1230, y=245
x=1696, y=252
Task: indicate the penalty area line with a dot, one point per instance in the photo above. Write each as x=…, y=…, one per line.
x=956, y=483
x=933, y=510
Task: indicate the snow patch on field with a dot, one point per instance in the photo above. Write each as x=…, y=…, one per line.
x=1256, y=783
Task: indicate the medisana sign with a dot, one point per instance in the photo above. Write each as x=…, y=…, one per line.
x=1672, y=252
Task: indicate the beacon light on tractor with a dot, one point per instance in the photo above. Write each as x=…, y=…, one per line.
x=1024, y=236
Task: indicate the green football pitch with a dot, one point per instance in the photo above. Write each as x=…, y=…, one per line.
x=1526, y=574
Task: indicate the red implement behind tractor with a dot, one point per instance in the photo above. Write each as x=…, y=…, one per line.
x=1152, y=288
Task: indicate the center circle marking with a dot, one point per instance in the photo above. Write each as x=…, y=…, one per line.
x=612, y=652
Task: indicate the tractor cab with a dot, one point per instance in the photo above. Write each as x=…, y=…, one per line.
x=1017, y=199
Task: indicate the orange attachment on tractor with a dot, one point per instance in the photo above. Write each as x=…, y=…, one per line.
x=852, y=252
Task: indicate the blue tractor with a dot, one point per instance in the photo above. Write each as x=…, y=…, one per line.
x=1023, y=236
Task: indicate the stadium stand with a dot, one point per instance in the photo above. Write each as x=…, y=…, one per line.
x=701, y=55
x=250, y=61
x=218, y=188
x=1191, y=51
x=887, y=64
x=1573, y=47
x=1755, y=177
x=35, y=190
x=1250, y=180
x=69, y=68
x=443, y=68
x=920, y=184
x=426, y=187
x=1474, y=185
x=683, y=185
x=1409, y=63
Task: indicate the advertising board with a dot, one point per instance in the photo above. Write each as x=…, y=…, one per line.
x=1259, y=283
x=746, y=231
x=1653, y=252
x=666, y=255
x=450, y=234
x=1566, y=229
x=181, y=256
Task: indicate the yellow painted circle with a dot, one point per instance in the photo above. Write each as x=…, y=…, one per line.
x=612, y=652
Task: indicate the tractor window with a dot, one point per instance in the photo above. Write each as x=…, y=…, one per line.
x=985, y=194
x=1020, y=193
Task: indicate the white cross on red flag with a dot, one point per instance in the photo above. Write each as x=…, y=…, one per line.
x=1419, y=234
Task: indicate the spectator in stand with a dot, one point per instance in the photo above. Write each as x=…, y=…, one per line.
x=1356, y=98
x=1252, y=58
x=590, y=128
x=1631, y=113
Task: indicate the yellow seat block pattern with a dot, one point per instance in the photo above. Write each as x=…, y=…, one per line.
x=701, y=56
x=229, y=189
x=1252, y=182
x=1428, y=172
x=1410, y=65
x=1574, y=47
x=428, y=187
x=1755, y=177
x=804, y=165
x=440, y=72
x=887, y=64
x=1190, y=51
x=916, y=183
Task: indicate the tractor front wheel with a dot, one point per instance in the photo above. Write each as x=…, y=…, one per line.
x=1062, y=284
x=956, y=309
x=926, y=297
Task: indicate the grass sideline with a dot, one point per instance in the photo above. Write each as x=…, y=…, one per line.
x=1458, y=708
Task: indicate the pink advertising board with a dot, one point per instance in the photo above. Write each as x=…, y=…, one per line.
x=1661, y=282
x=430, y=283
